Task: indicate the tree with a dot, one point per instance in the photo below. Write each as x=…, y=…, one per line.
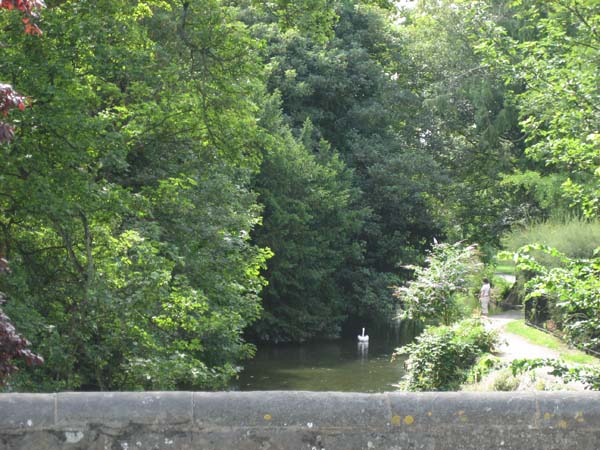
x=468, y=121
x=125, y=202
x=550, y=52
x=310, y=220
x=552, y=55
x=12, y=344
x=561, y=103
x=352, y=89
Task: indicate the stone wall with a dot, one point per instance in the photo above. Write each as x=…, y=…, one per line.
x=299, y=420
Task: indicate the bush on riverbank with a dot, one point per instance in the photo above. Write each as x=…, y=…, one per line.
x=531, y=375
x=441, y=357
x=437, y=291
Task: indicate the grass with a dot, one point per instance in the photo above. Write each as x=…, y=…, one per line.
x=538, y=337
x=575, y=238
x=505, y=267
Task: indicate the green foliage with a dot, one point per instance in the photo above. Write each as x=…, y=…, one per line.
x=485, y=364
x=169, y=146
x=313, y=18
x=505, y=381
x=433, y=121
x=310, y=220
x=500, y=287
x=553, y=55
x=125, y=202
x=588, y=375
x=542, y=192
x=504, y=267
x=545, y=339
x=348, y=92
x=441, y=357
x=560, y=107
x=575, y=238
x=573, y=288
x=467, y=121
x=432, y=294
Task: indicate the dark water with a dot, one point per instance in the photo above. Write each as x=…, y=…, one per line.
x=334, y=365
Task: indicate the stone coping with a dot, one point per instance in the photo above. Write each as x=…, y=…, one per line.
x=409, y=412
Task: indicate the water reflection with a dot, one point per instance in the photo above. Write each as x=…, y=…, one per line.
x=335, y=365
x=363, y=350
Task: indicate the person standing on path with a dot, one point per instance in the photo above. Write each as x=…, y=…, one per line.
x=484, y=296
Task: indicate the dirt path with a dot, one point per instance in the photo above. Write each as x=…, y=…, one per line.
x=513, y=346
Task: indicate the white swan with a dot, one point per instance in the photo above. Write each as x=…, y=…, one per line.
x=362, y=337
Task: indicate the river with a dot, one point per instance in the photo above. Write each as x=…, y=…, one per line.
x=333, y=365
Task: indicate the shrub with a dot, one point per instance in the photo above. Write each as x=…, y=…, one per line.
x=586, y=374
x=505, y=381
x=440, y=358
x=572, y=291
x=432, y=294
x=575, y=238
x=485, y=364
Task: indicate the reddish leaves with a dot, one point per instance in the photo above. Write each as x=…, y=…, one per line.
x=12, y=345
x=27, y=7
x=9, y=99
x=31, y=28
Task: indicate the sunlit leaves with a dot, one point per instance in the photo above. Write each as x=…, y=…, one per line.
x=125, y=199
x=588, y=375
x=441, y=356
x=573, y=287
x=431, y=295
x=313, y=18
x=553, y=57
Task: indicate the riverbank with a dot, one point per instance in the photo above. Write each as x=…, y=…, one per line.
x=513, y=347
